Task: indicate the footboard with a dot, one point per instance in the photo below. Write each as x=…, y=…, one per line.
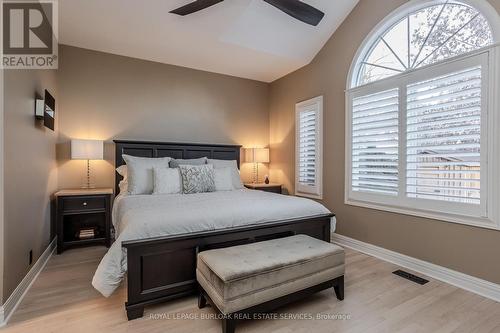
x=164, y=268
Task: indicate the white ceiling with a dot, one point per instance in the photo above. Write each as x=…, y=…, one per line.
x=244, y=38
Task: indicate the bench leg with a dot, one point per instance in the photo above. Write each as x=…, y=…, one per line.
x=228, y=325
x=338, y=286
x=202, y=301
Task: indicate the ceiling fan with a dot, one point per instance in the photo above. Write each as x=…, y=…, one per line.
x=295, y=8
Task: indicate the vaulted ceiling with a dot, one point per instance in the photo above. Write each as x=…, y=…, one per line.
x=244, y=38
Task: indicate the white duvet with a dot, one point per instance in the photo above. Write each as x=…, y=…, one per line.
x=145, y=216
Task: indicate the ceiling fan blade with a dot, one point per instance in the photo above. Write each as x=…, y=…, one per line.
x=194, y=7
x=299, y=10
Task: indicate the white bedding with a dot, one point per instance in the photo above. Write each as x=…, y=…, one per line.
x=144, y=216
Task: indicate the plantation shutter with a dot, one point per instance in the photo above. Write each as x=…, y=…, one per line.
x=374, y=166
x=444, y=137
x=308, y=148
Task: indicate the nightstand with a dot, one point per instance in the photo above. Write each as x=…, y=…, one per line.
x=271, y=187
x=83, y=217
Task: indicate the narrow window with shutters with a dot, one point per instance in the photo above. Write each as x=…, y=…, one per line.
x=308, y=142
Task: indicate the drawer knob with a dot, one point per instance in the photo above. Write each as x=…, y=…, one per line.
x=85, y=204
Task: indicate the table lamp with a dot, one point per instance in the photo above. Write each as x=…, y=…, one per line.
x=87, y=150
x=256, y=156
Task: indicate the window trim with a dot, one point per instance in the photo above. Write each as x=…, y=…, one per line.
x=313, y=192
x=491, y=102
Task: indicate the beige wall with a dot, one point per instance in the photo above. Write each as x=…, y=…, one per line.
x=30, y=173
x=467, y=249
x=107, y=97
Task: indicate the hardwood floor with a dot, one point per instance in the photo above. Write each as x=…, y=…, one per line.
x=63, y=300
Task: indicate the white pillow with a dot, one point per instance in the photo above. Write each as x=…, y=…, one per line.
x=140, y=172
x=167, y=181
x=122, y=171
x=235, y=173
x=224, y=179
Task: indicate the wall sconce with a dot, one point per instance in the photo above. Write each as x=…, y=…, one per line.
x=46, y=109
x=256, y=156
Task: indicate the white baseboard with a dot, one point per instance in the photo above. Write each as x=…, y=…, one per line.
x=473, y=284
x=8, y=308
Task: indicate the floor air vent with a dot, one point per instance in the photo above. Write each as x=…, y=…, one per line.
x=410, y=277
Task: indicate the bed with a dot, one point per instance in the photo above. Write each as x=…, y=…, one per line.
x=159, y=236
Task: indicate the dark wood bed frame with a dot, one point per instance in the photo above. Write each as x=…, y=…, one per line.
x=164, y=268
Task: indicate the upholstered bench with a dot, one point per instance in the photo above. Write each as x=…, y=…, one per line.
x=259, y=277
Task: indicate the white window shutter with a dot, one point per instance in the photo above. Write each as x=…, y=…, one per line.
x=375, y=130
x=443, y=143
x=309, y=148
x=425, y=143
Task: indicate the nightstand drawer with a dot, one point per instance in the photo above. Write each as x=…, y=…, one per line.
x=83, y=203
x=272, y=189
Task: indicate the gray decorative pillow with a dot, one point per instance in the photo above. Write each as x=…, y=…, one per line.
x=174, y=163
x=197, y=178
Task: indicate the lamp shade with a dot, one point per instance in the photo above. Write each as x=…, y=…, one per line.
x=257, y=155
x=87, y=149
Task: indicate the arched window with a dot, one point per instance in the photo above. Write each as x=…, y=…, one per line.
x=426, y=35
x=422, y=112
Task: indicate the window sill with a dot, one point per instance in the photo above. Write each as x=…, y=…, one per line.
x=309, y=195
x=444, y=217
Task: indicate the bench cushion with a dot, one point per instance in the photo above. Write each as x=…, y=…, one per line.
x=242, y=276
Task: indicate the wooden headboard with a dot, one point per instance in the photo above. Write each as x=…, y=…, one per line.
x=172, y=149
